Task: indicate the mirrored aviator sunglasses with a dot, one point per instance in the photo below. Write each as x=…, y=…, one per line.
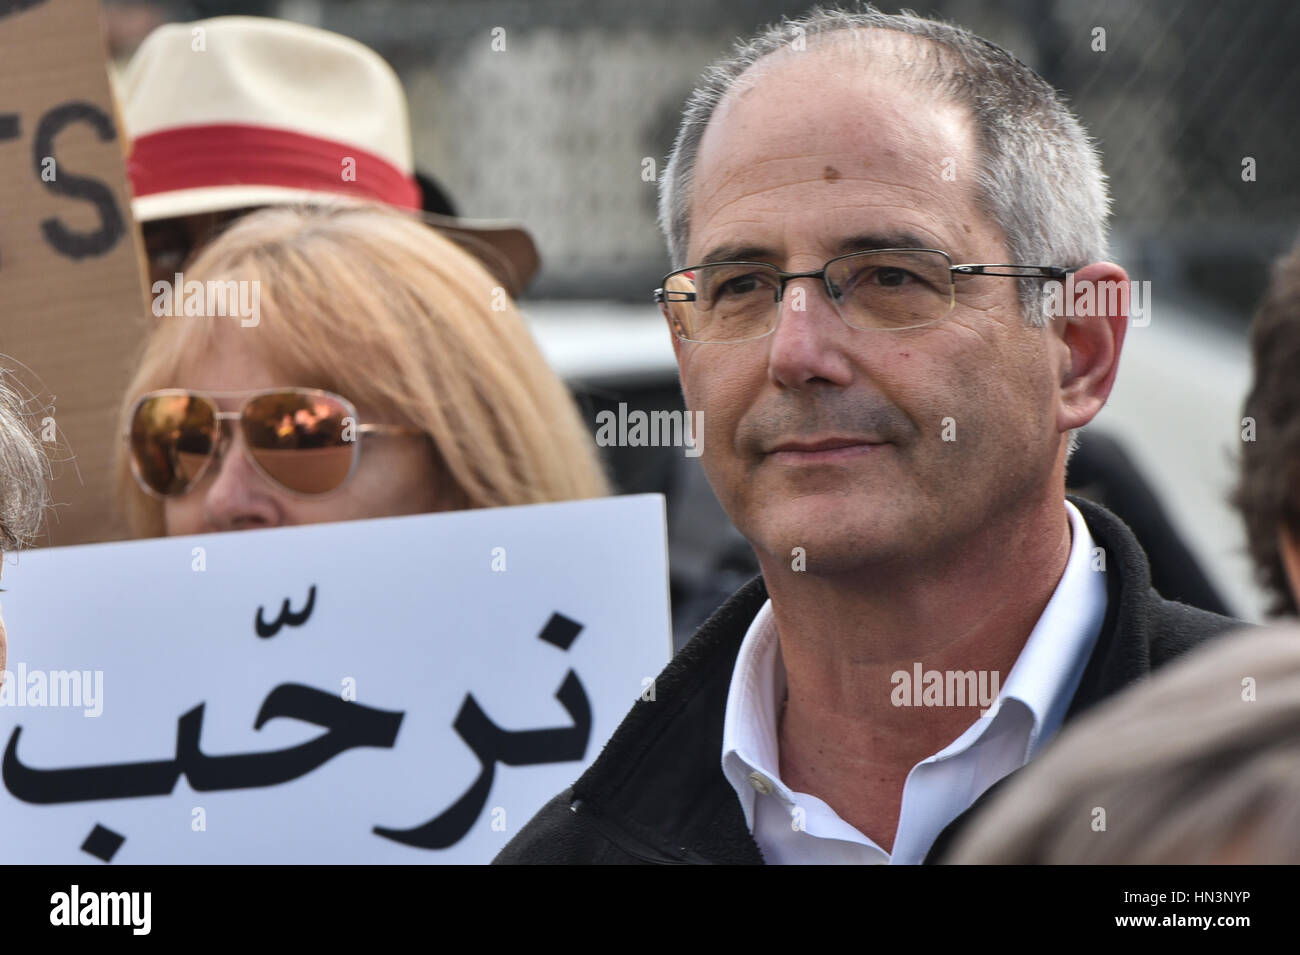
x=302, y=440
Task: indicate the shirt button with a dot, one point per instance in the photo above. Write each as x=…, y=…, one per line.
x=760, y=783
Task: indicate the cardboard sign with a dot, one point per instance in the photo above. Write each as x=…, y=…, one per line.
x=72, y=304
x=407, y=689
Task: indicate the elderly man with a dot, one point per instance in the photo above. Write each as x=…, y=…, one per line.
x=22, y=484
x=889, y=407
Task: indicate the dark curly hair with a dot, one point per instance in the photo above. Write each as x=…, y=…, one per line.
x=1268, y=494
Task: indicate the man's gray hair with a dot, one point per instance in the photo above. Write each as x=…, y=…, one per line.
x=23, y=468
x=1039, y=176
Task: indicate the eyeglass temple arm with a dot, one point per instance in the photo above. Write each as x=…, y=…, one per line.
x=1022, y=271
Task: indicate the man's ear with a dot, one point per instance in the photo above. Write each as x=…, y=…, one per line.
x=1093, y=335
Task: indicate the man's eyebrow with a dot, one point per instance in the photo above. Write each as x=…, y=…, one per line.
x=878, y=240
x=855, y=243
x=738, y=253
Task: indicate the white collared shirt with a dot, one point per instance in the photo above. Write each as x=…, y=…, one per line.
x=798, y=828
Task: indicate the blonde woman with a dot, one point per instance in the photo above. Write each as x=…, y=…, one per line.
x=365, y=367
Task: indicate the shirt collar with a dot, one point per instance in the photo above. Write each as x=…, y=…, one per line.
x=758, y=685
x=1047, y=672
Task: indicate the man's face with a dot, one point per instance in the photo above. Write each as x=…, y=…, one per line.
x=947, y=426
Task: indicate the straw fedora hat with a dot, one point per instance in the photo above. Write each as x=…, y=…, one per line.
x=236, y=112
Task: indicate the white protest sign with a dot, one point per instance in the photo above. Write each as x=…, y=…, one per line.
x=404, y=690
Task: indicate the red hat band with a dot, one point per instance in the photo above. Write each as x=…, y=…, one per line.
x=232, y=154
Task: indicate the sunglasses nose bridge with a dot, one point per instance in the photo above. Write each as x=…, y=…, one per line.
x=226, y=422
x=227, y=427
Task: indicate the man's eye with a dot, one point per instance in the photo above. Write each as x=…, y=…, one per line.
x=740, y=285
x=892, y=277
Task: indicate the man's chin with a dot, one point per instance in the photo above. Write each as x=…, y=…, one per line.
x=826, y=534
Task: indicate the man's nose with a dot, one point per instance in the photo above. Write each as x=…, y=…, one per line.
x=239, y=497
x=808, y=345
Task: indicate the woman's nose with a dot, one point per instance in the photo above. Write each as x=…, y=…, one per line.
x=239, y=497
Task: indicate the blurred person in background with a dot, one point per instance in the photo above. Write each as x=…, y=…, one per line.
x=1102, y=470
x=234, y=113
x=22, y=484
x=1268, y=494
x=385, y=374
x=1199, y=766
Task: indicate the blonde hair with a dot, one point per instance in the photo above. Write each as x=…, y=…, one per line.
x=1201, y=765
x=374, y=305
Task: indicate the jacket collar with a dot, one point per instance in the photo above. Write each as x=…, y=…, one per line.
x=1123, y=650
x=657, y=789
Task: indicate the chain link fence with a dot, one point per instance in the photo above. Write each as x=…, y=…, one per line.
x=1192, y=101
